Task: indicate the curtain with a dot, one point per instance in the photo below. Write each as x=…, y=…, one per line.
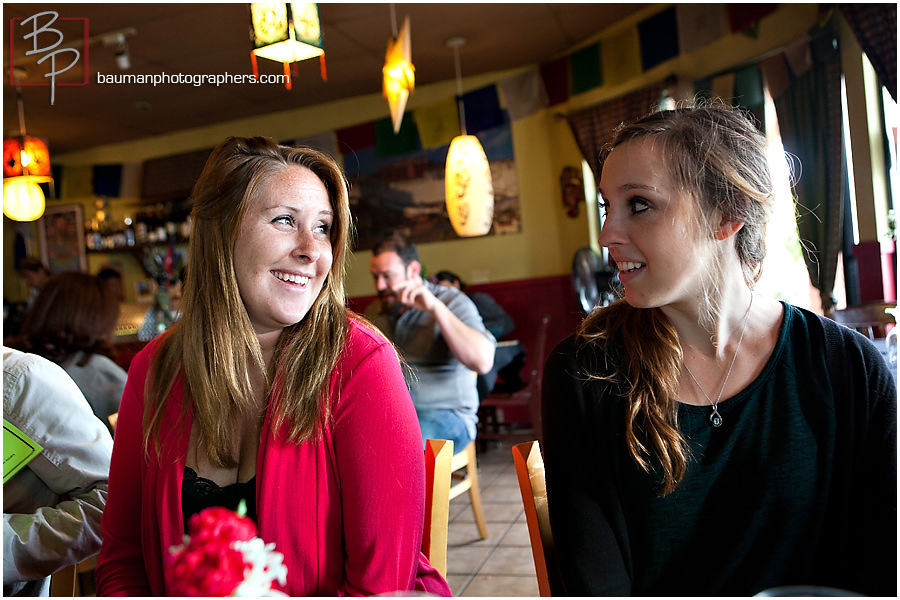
x=809, y=115
x=593, y=126
x=875, y=28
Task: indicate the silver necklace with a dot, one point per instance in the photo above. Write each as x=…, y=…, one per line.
x=715, y=418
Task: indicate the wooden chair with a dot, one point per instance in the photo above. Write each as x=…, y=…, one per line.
x=530, y=472
x=869, y=319
x=75, y=580
x=528, y=398
x=438, y=458
x=464, y=469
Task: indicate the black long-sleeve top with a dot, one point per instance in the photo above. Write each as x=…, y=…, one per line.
x=798, y=486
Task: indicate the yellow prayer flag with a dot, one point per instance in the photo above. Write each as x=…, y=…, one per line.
x=621, y=56
x=438, y=123
x=723, y=87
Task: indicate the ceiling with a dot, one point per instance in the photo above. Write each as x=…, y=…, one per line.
x=194, y=39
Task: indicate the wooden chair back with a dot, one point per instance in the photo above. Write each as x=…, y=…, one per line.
x=464, y=469
x=438, y=458
x=869, y=319
x=62, y=583
x=528, y=397
x=532, y=484
x=537, y=367
x=75, y=580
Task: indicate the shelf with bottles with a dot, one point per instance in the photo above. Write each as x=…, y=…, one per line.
x=153, y=226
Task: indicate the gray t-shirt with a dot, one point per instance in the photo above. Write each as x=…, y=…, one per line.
x=101, y=381
x=438, y=380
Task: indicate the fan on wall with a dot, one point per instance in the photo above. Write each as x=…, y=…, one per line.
x=592, y=280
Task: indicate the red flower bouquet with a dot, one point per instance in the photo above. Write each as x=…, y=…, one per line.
x=222, y=556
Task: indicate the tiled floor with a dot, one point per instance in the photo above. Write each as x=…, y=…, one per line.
x=502, y=564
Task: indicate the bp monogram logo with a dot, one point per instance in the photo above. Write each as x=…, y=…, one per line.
x=53, y=46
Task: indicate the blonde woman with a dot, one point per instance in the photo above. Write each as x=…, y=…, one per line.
x=702, y=439
x=268, y=390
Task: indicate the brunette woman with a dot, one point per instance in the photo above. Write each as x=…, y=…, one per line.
x=72, y=323
x=702, y=439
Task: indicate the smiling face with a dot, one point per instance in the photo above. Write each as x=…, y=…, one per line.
x=283, y=253
x=649, y=228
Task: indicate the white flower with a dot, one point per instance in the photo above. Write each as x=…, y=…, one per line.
x=266, y=567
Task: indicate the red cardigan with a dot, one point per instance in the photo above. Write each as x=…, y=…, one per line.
x=346, y=511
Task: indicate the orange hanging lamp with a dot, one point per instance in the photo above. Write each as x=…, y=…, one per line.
x=286, y=33
x=26, y=164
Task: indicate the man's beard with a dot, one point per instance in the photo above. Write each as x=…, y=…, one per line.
x=390, y=304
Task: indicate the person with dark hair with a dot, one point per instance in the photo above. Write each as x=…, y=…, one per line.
x=440, y=335
x=35, y=273
x=268, y=390
x=112, y=278
x=72, y=322
x=701, y=439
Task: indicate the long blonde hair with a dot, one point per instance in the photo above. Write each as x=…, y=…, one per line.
x=213, y=345
x=717, y=156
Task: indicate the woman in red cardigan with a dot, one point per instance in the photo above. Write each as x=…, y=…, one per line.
x=268, y=390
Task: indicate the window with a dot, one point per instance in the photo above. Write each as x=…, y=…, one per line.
x=784, y=273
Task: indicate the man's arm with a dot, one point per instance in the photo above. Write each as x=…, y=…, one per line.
x=46, y=405
x=470, y=346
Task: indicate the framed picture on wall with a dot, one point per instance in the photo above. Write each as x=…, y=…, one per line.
x=144, y=291
x=406, y=192
x=61, y=232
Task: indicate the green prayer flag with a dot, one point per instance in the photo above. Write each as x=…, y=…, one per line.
x=390, y=144
x=587, y=72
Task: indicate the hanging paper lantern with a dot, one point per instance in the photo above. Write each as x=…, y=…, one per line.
x=286, y=32
x=399, y=74
x=26, y=163
x=469, y=187
x=23, y=199
x=25, y=155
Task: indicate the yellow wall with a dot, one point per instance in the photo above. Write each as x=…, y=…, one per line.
x=542, y=143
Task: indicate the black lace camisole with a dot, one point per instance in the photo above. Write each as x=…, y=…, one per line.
x=198, y=493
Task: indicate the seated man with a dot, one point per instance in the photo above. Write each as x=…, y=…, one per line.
x=52, y=506
x=441, y=336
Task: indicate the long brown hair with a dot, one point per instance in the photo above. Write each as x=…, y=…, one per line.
x=213, y=344
x=717, y=156
x=73, y=313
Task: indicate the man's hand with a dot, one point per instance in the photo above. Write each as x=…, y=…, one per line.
x=413, y=293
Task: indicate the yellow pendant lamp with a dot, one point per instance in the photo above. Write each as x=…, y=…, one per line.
x=26, y=163
x=398, y=73
x=469, y=186
x=23, y=200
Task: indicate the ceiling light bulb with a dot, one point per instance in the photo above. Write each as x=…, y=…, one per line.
x=123, y=60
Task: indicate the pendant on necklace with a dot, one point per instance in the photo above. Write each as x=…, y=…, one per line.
x=715, y=418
